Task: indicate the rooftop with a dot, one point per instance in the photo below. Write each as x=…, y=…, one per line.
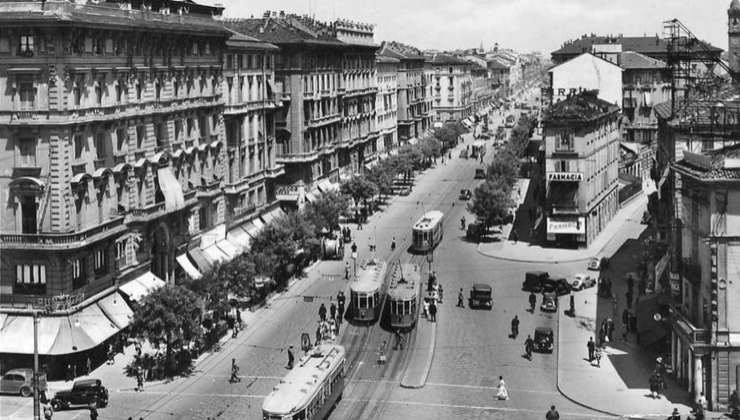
x=714, y=165
x=642, y=44
x=443, y=59
x=635, y=60
x=402, y=51
x=581, y=108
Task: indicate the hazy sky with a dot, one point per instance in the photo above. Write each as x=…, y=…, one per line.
x=525, y=25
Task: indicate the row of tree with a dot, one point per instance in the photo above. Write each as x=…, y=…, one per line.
x=173, y=316
x=492, y=200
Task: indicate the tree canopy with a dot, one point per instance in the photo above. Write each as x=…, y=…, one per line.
x=359, y=188
x=382, y=176
x=491, y=202
x=324, y=212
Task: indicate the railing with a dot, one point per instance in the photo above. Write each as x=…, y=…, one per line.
x=59, y=238
x=137, y=212
x=247, y=208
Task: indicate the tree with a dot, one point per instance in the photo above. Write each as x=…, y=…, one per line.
x=431, y=148
x=504, y=167
x=491, y=202
x=448, y=133
x=382, y=176
x=359, y=188
x=324, y=212
x=413, y=155
x=170, y=316
x=233, y=278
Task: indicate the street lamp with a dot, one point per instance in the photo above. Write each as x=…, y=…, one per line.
x=36, y=407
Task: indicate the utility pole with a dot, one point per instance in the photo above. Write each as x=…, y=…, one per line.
x=36, y=408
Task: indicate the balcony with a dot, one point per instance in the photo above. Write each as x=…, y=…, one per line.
x=696, y=337
x=147, y=213
x=58, y=241
x=245, y=209
x=28, y=115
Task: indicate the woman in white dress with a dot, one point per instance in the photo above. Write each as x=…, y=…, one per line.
x=502, y=393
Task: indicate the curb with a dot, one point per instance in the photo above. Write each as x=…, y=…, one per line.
x=427, y=366
x=557, y=379
x=520, y=260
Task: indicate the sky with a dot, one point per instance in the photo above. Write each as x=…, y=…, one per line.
x=524, y=25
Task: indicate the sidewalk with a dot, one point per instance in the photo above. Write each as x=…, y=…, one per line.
x=422, y=355
x=524, y=252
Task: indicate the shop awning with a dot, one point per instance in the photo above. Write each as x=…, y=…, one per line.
x=563, y=194
x=252, y=228
x=16, y=335
x=142, y=286
x=93, y=323
x=326, y=186
x=239, y=238
x=272, y=215
x=228, y=248
x=203, y=264
x=258, y=223
x=312, y=196
x=116, y=309
x=171, y=189
x=215, y=255
x=188, y=267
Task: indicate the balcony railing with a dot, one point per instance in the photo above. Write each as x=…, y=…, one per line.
x=147, y=211
x=58, y=239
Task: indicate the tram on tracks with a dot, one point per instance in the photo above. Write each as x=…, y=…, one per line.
x=311, y=389
x=367, y=291
x=427, y=231
x=403, y=297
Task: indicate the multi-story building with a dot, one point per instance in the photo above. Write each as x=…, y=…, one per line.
x=646, y=81
x=453, y=88
x=414, y=113
x=251, y=167
x=581, y=135
x=112, y=137
x=386, y=106
x=326, y=78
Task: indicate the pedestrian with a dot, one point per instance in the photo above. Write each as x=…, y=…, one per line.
x=346, y=270
x=139, y=379
x=291, y=357
x=532, y=301
x=609, y=328
x=93, y=411
x=675, y=415
x=48, y=412
x=333, y=310
x=234, y=372
x=701, y=401
x=318, y=334
x=552, y=414
x=322, y=312
x=460, y=299
x=528, y=347
x=626, y=319
x=602, y=337
x=515, y=326
x=426, y=310
x=597, y=355
x=433, y=311
x=591, y=347
x=514, y=236
x=88, y=365
x=440, y=292
x=629, y=296
x=502, y=393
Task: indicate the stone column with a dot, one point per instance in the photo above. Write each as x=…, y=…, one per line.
x=698, y=376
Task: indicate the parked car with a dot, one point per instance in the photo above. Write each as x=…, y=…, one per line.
x=480, y=173
x=474, y=232
x=549, y=302
x=83, y=393
x=543, y=340
x=20, y=381
x=404, y=191
x=558, y=286
x=534, y=280
x=481, y=296
x=582, y=281
x=598, y=263
x=465, y=195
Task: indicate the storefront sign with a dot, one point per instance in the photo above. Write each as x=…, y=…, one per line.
x=575, y=225
x=565, y=176
x=60, y=303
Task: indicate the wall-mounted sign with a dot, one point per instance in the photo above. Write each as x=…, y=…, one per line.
x=572, y=225
x=565, y=176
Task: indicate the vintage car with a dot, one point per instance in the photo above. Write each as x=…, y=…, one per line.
x=534, y=281
x=598, y=263
x=480, y=173
x=465, y=195
x=481, y=296
x=543, y=340
x=582, y=281
x=558, y=286
x=20, y=382
x=84, y=392
x=549, y=302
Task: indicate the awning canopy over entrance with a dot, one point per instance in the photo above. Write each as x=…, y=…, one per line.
x=203, y=264
x=326, y=186
x=188, y=267
x=239, y=238
x=171, y=189
x=272, y=215
x=142, y=286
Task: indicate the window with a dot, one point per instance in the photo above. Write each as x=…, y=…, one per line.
x=25, y=47
x=79, y=277
x=119, y=90
x=190, y=127
x=79, y=145
x=561, y=166
x=121, y=254
x=26, y=94
x=178, y=129
x=564, y=142
x=202, y=126
x=100, y=145
x=139, y=89
x=27, y=152
x=140, y=136
x=99, y=92
x=29, y=207
x=229, y=63
x=121, y=139
x=100, y=261
x=77, y=92
x=30, y=279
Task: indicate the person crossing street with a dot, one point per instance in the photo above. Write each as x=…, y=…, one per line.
x=529, y=346
x=234, y=372
x=515, y=326
x=460, y=299
x=532, y=301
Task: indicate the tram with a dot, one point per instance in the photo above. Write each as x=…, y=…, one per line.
x=403, y=297
x=311, y=389
x=427, y=231
x=366, y=292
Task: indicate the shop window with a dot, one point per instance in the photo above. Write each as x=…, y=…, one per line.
x=30, y=279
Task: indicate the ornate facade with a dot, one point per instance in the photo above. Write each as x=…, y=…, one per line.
x=453, y=88
x=387, y=103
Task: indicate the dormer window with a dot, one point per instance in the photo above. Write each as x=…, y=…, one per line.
x=25, y=47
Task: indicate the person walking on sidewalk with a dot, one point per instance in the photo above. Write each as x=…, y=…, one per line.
x=502, y=393
x=675, y=415
x=234, y=372
x=515, y=327
x=528, y=347
x=433, y=311
x=629, y=297
x=322, y=312
x=552, y=414
x=460, y=299
x=591, y=347
x=597, y=355
x=333, y=311
x=532, y=301
x=291, y=357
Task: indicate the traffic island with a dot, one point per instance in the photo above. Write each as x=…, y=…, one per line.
x=422, y=355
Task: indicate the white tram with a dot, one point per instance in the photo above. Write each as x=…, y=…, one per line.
x=403, y=296
x=367, y=291
x=427, y=231
x=311, y=389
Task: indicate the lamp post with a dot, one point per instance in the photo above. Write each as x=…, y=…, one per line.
x=36, y=407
